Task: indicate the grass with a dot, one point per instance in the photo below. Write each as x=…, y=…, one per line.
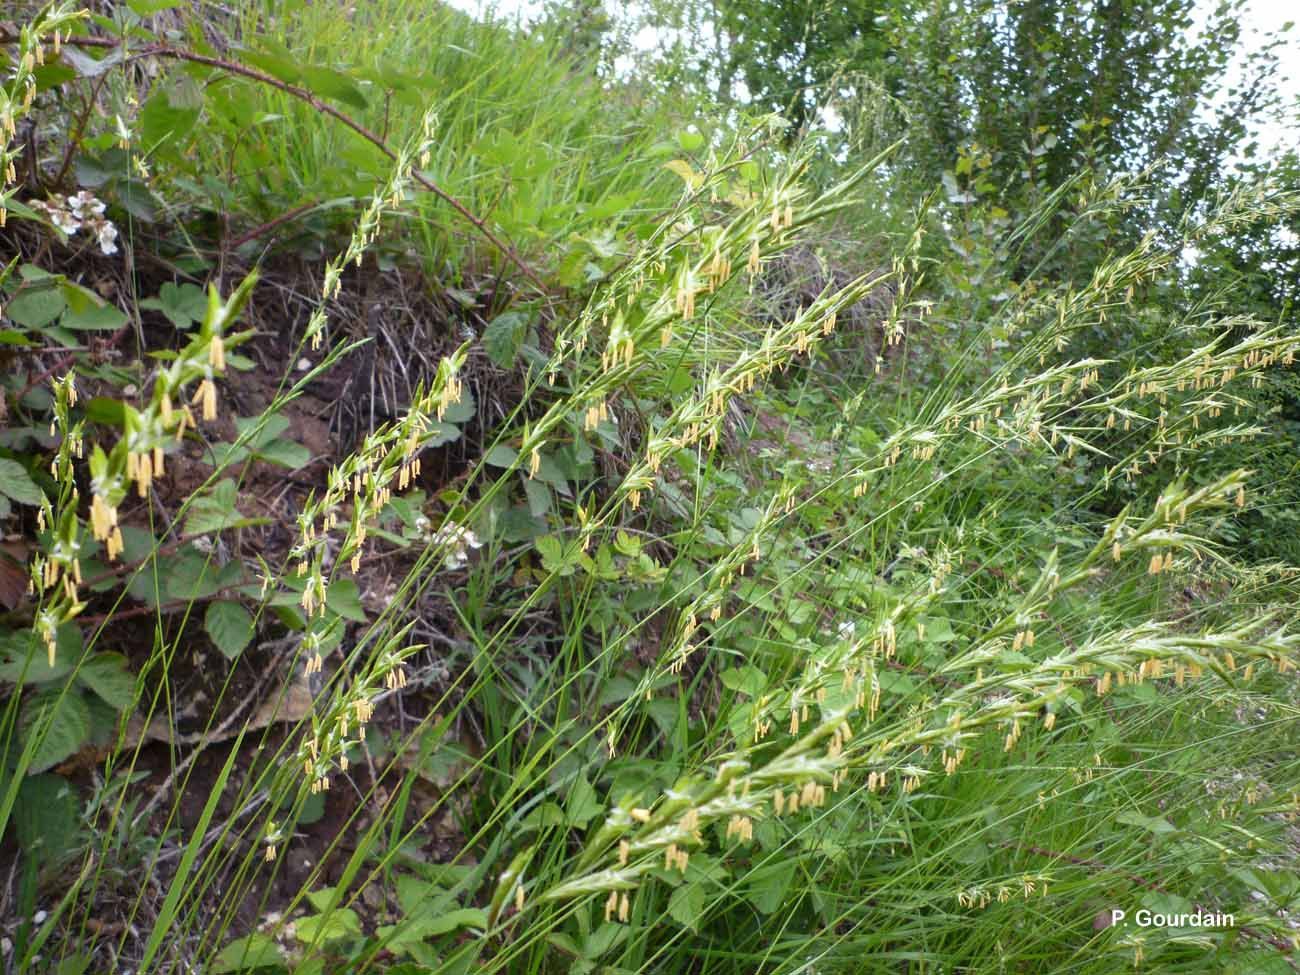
x=775, y=656
x=545, y=151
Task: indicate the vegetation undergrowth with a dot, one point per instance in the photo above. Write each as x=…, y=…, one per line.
x=476, y=518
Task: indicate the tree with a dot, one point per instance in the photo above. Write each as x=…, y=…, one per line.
x=790, y=54
x=1038, y=91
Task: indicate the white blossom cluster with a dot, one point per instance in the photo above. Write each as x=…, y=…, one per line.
x=80, y=211
x=460, y=540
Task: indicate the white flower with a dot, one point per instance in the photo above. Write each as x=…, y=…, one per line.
x=85, y=205
x=459, y=539
x=65, y=221
x=107, y=234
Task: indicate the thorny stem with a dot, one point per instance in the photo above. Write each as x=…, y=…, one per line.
x=270, y=225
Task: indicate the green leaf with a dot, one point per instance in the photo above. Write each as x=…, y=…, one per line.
x=501, y=456
x=939, y=631
x=137, y=200
x=145, y=8
x=768, y=885
x=94, y=318
x=162, y=120
x=462, y=409
x=36, y=307
x=189, y=574
x=215, y=511
x=277, y=67
x=23, y=656
x=555, y=557
x=605, y=937
x=183, y=304
x=686, y=905
x=325, y=928
x=52, y=74
x=504, y=336
x=67, y=729
x=1153, y=824
x=107, y=675
x=45, y=816
x=539, y=497
x=343, y=597
x=284, y=453
x=103, y=409
x=582, y=804
x=419, y=929
x=690, y=141
x=313, y=809
x=246, y=954
x=103, y=721
x=626, y=544
x=229, y=625
x=275, y=424
x=334, y=84
x=440, y=433
x=16, y=483
x=746, y=680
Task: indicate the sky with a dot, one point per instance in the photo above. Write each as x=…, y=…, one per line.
x=1259, y=18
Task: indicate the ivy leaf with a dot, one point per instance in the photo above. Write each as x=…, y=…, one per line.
x=16, y=483
x=229, y=625
x=62, y=721
x=107, y=675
